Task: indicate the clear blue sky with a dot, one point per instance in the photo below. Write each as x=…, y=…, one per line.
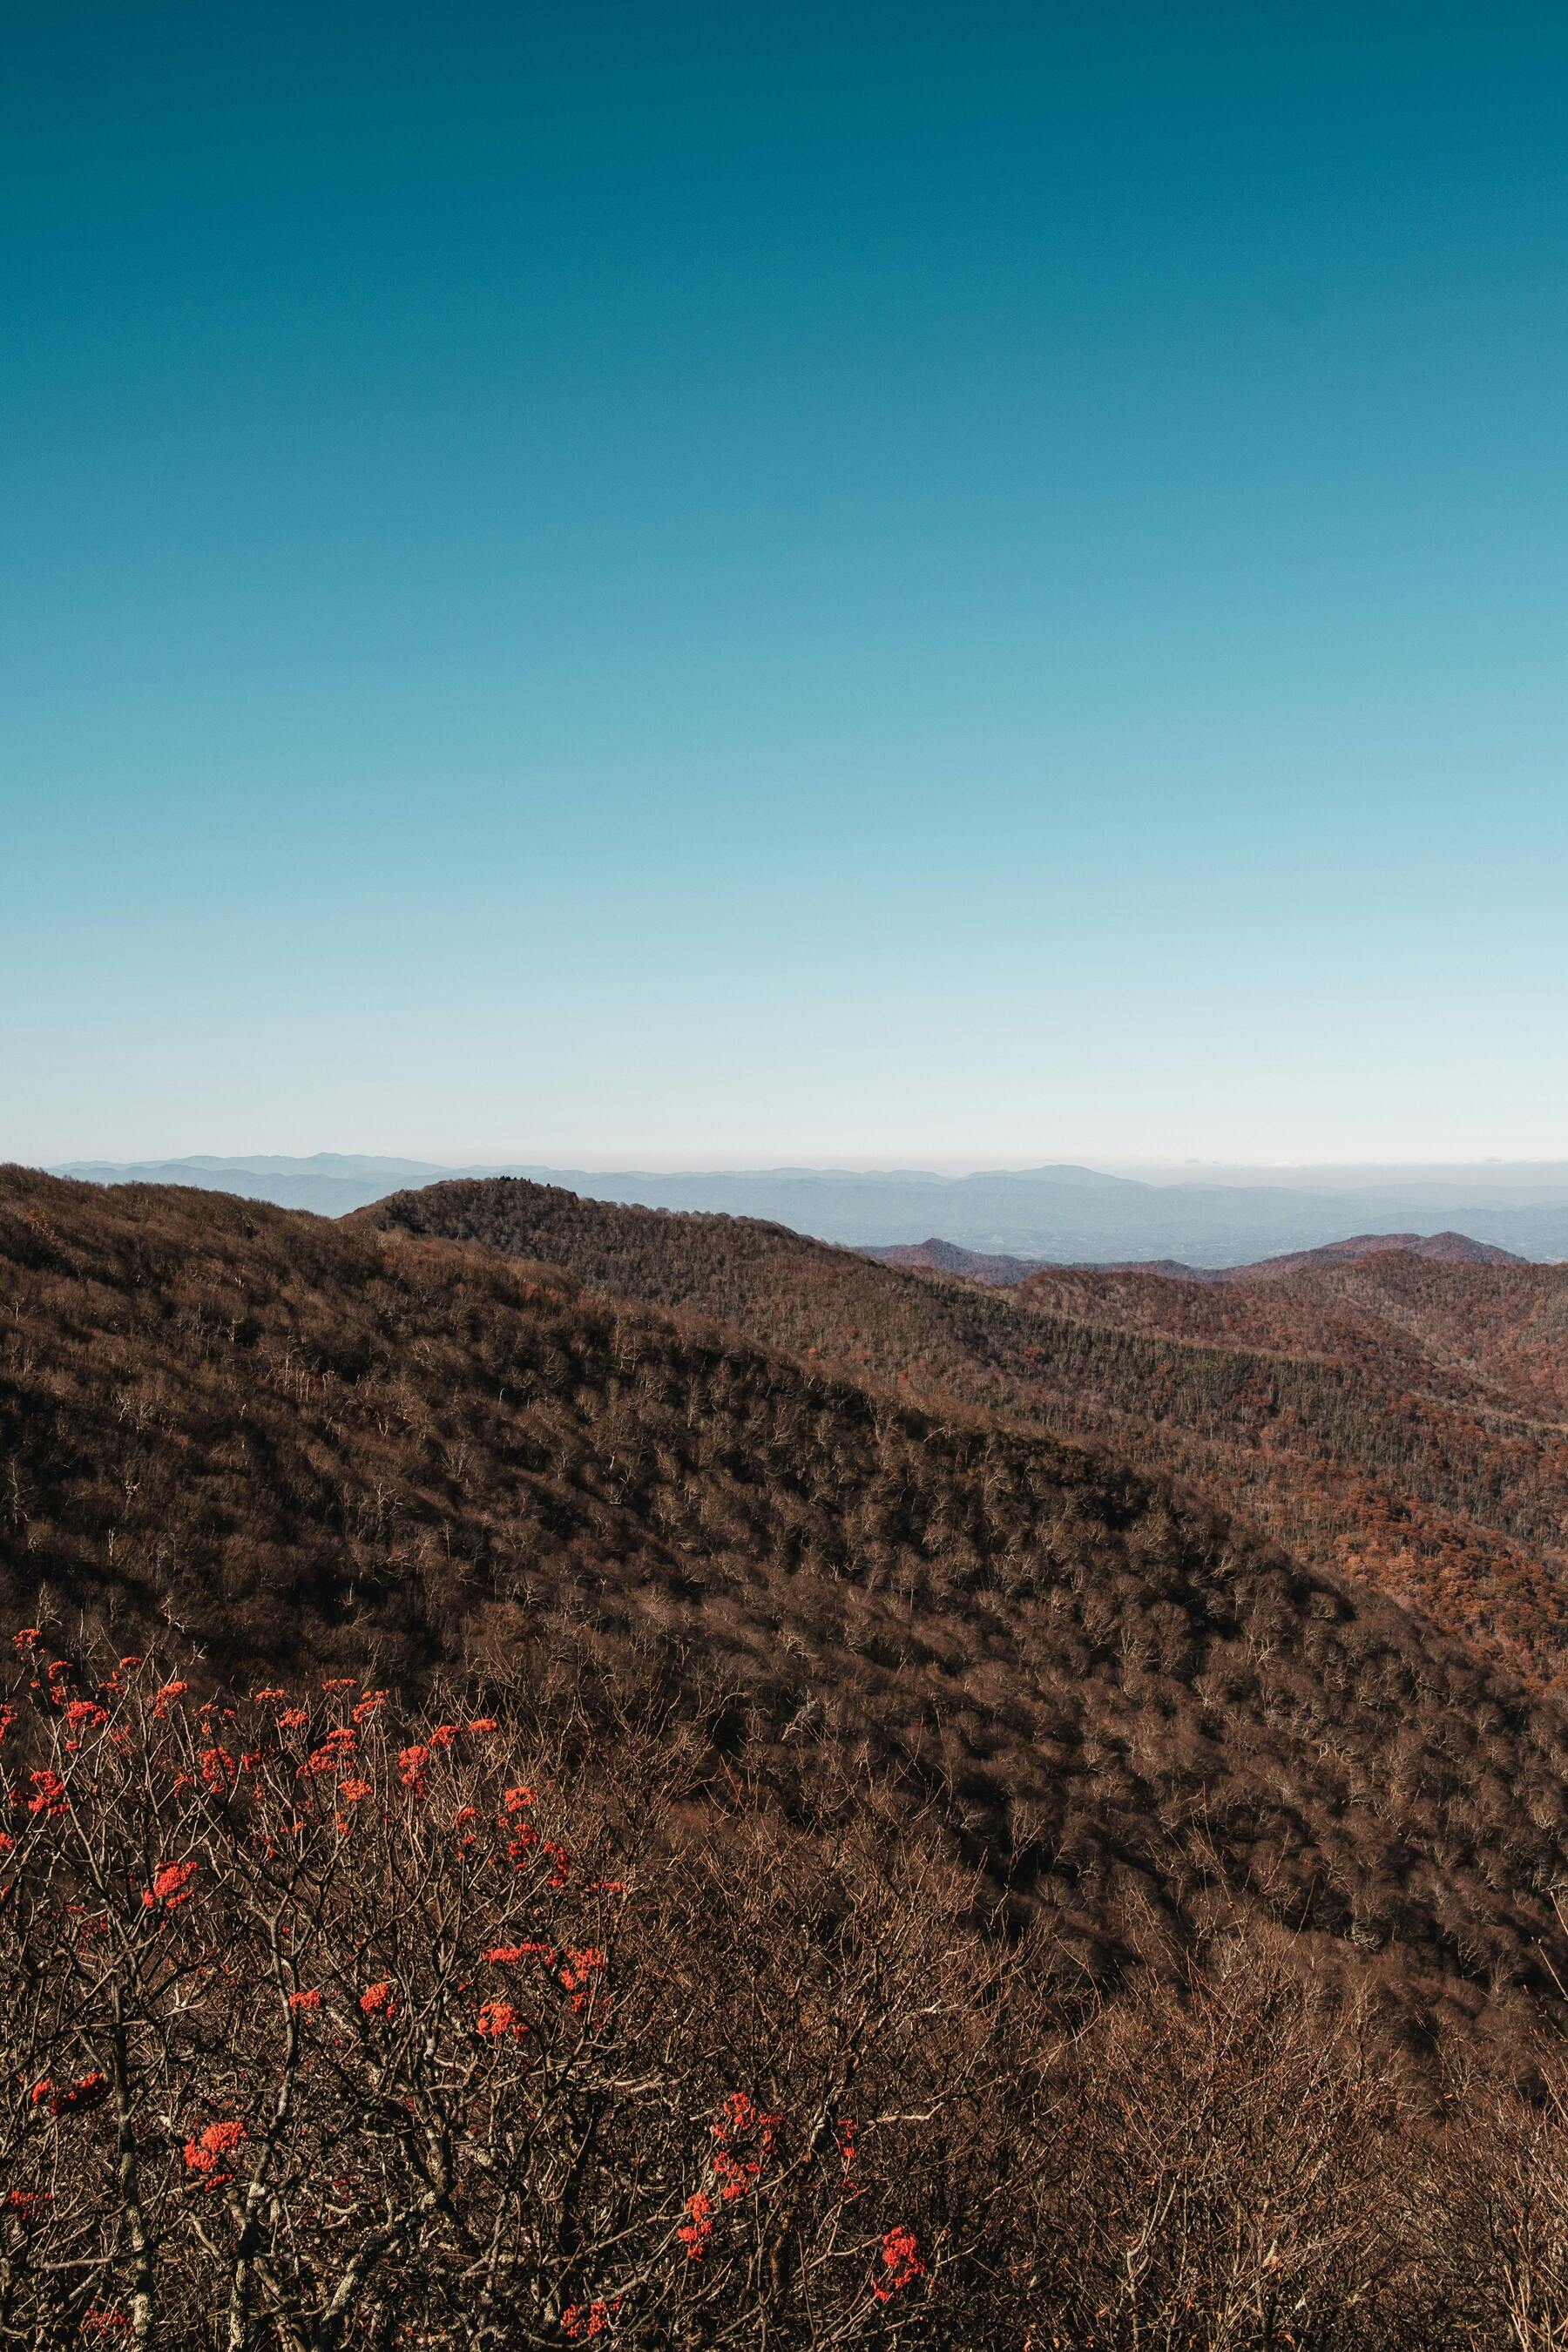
x=701, y=582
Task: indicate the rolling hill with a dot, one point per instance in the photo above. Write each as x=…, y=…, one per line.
x=1443, y=1249
x=1399, y=1419
x=304, y=1443
x=936, y=1256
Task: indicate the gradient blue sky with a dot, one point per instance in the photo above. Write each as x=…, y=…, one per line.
x=688, y=584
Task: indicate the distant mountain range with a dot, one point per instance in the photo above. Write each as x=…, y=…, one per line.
x=1051, y=1215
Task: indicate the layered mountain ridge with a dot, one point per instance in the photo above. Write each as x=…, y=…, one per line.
x=296, y=1442
x=1400, y=1419
x=938, y=1256
x=1061, y=1213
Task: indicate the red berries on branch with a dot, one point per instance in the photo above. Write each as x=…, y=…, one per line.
x=502, y=2025
x=172, y=1887
x=205, y=2154
x=901, y=2264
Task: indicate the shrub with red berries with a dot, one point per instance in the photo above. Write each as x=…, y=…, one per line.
x=336, y=2027
x=327, y=2024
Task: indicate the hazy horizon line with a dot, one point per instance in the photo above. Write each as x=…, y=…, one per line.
x=937, y=1164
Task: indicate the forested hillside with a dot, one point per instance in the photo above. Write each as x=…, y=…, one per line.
x=946, y=1257
x=1399, y=1419
x=293, y=1441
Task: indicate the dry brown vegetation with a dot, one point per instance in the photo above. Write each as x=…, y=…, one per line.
x=1400, y=1421
x=713, y=1852
x=326, y=2026
x=299, y=1441
x=1399, y=1418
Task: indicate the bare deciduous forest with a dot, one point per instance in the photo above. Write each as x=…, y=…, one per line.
x=1400, y=1419
x=968, y=1892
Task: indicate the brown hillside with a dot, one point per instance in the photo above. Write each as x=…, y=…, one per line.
x=1401, y=1418
x=950, y=1257
x=1398, y=1420
x=935, y=1257
x=300, y=1440
x=1443, y=1249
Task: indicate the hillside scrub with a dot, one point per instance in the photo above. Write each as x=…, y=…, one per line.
x=1399, y=1421
x=294, y=1442
x=325, y=2024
